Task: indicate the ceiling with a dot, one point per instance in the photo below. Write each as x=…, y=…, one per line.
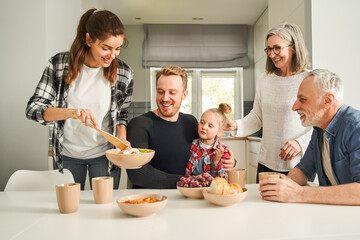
x=183, y=11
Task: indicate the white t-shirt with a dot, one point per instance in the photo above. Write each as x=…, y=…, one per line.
x=272, y=111
x=91, y=90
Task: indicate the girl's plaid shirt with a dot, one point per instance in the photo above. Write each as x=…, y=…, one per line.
x=197, y=152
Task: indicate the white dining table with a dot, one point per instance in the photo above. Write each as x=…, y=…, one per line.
x=35, y=215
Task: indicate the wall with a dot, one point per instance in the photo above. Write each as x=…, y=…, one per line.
x=32, y=31
x=261, y=27
x=23, y=143
x=336, y=33
x=59, y=38
x=132, y=55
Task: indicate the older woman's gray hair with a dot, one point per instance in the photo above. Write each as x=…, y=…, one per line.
x=291, y=33
x=328, y=82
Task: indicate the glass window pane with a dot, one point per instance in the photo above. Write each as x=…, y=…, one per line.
x=186, y=103
x=218, y=89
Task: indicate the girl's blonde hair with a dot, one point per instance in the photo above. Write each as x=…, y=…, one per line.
x=223, y=109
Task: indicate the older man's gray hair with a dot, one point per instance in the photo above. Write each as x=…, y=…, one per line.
x=329, y=82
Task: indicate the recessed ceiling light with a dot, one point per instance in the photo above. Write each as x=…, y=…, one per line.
x=138, y=18
x=197, y=18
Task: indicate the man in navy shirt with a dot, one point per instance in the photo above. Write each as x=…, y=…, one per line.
x=334, y=149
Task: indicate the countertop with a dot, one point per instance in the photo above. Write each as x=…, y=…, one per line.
x=35, y=215
x=257, y=139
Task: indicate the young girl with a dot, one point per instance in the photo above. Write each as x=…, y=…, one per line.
x=207, y=151
x=90, y=81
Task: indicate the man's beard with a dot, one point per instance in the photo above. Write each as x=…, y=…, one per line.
x=314, y=120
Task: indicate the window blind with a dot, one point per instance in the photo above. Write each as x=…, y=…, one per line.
x=195, y=45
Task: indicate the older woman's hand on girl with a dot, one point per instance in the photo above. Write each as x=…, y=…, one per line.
x=290, y=150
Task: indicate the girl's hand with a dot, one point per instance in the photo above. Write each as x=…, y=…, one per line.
x=219, y=151
x=229, y=163
x=86, y=116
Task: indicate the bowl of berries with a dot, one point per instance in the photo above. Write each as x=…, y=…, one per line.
x=193, y=186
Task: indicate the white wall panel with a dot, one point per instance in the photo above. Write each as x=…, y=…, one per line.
x=335, y=35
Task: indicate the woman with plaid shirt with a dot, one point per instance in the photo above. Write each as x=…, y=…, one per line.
x=92, y=83
x=207, y=151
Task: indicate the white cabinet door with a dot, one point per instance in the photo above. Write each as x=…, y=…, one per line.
x=252, y=153
x=237, y=146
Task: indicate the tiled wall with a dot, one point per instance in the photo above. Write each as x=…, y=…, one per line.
x=248, y=105
x=138, y=108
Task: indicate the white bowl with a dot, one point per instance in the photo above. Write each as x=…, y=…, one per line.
x=130, y=161
x=192, y=192
x=225, y=200
x=142, y=209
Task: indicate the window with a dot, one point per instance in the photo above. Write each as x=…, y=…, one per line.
x=207, y=89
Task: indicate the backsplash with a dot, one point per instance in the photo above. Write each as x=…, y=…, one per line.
x=248, y=106
x=138, y=108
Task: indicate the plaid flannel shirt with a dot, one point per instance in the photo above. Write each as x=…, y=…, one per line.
x=52, y=91
x=197, y=152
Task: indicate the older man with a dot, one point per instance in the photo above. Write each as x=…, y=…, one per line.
x=333, y=152
x=166, y=130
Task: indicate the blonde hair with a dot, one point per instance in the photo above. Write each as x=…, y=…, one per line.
x=291, y=33
x=223, y=109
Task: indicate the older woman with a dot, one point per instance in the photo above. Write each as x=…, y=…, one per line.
x=284, y=138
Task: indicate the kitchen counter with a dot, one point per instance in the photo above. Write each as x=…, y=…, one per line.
x=35, y=215
x=250, y=138
x=257, y=139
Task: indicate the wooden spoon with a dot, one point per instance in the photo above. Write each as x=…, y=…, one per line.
x=111, y=138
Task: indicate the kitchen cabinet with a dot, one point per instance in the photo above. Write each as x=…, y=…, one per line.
x=238, y=147
x=252, y=153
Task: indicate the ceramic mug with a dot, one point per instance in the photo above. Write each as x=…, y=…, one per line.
x=238, y=176
x=68, y=197
x=264, y=175
x=102, y=189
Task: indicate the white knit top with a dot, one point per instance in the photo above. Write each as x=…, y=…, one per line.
x=272, y=111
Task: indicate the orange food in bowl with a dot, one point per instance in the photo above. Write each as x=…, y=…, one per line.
x=143, y=200
x=142, y=210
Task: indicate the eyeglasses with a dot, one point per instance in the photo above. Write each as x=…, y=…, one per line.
x=275, y=49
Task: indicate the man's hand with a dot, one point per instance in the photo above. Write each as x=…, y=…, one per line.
x=229, y=163
x=290, y=150
x=280, y=190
